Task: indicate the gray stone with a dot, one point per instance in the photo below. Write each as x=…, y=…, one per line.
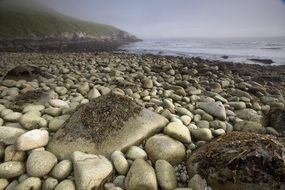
x=238, y=105
x=31, y=120
x=165, y=174
x=141, y=176
x=8, y=135
x=11, y=154
x=12, y=117
x=32, y=107
x=65, y=185
x=40, y=163
x=119, y=181
x=136, y=152
x=94, y=93
x=33, y=183
x=120, y=162
x=197, y=183
x=249, y=126
x=61, y=170
x=57, y=122
x=49, y=184
x=203, y=134
x=216, y=109
x=11, y=169
x=147, y=83
x=178, y=131
x=3, y=183
x=160, y=147
x=90, y=171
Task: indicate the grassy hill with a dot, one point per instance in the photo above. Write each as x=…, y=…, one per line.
x=24, y=22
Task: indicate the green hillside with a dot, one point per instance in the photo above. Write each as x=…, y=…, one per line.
x=24, y=22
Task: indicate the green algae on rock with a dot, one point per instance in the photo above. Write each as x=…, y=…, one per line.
x=110, y=122
x=241, y=161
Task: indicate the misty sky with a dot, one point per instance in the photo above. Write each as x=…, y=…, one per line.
x=182, y=18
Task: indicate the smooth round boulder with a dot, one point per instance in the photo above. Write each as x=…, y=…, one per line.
x=61, y=170
x=161, y=147
x=136, y=152
x=141, y=176
x=11, y=169
x=40, y=163
x=120, y=162
x=178, y=131
x=165, y=175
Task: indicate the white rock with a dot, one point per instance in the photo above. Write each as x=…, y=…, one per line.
x=90, y=170
x=58, y=103
x=32, y=139
x=178, y=131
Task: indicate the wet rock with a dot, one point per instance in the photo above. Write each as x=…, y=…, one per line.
x=224, y=159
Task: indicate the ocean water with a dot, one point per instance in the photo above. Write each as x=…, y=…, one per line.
x=238, y=50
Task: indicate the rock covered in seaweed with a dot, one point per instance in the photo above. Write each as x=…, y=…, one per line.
x=241, y=161
x=110, y=122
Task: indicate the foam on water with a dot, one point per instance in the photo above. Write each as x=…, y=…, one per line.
x=237, y=50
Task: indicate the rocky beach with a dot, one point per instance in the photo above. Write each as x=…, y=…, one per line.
x=117, y=121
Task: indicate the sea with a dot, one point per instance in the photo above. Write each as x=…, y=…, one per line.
x=239, y=50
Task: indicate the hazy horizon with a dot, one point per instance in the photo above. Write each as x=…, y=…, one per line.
x=181, y=18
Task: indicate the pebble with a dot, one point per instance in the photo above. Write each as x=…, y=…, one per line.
x=3, y=183
x=65, y=185
x=57, y=122
x=186, y=120
x=58, y=103
x=165, y=174
x=32, y=139
x=178, y=131
x=120, y=163
x=33, y=183
x=40, y=163
x=11, y=154
x=32, y=120
x=162, y=147
x=8, y=135
x=141, y=176
x=203, y=134
x=12, y=117
x=61, y=170
x=216, y=109
x=135, y=152
x=11, y=169
x=90, y=170
x=29, y=108
x=49, y=184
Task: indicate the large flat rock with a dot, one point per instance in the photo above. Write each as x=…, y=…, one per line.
x=77, y=135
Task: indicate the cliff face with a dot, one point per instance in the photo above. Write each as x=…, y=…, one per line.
x=29, y=30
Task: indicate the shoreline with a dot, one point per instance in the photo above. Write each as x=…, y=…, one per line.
x=152, y=109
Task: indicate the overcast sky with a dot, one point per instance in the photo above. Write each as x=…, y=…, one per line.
x=182, y=18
